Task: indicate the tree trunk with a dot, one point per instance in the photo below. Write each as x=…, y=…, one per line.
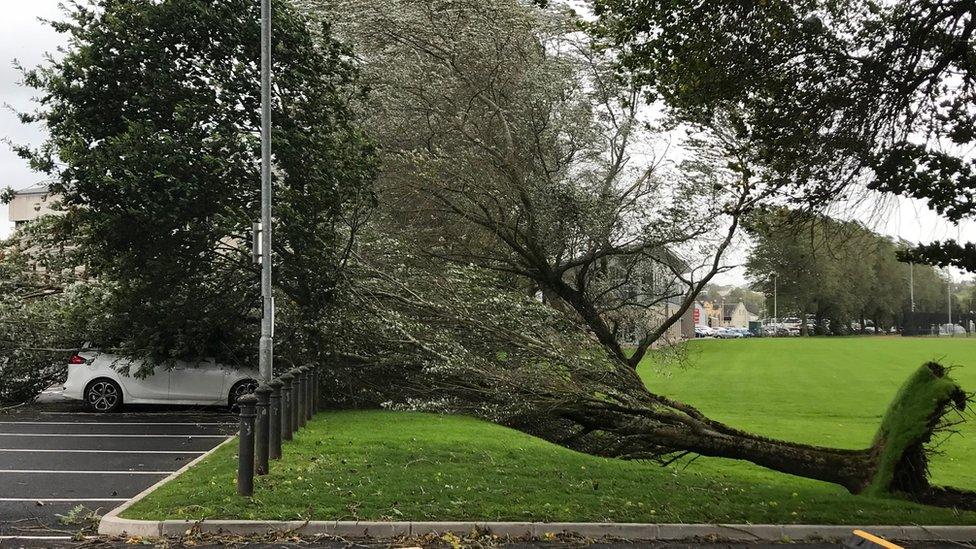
x=645, y=438
x=654, y=426
x=852, y=469
x=820, y=329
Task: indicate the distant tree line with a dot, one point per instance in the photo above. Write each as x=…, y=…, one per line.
x=840, y=274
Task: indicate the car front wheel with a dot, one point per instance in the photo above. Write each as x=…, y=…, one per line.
x=103, y=396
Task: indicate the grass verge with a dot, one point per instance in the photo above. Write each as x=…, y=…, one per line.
x=410, y=466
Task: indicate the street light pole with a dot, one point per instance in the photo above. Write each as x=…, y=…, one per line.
x=911, y=277
x=266, y=347
x=949, y=301
x=775, y=298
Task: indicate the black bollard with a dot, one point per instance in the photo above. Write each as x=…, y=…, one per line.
x=296, y=399
x=262, y=429
x=319, y=378
x=245, y=454
x=287, y=403
x=274, y=420
x=309, y=391
x=303, y=399
x=313, y=389
x=316, y=390
x=303, y=411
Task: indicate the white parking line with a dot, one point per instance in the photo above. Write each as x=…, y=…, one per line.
x=104, y=435
x=38, y=538
x=111, y=423
x=60, y=500
x=53, y=472
x=127, y=414
x=101, y=451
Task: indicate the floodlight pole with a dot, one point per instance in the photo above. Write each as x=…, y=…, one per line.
x=266, y=348
x=949, y=301
x=776, y=299
x=911, y=278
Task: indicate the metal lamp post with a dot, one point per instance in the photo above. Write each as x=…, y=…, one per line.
x=911, y=284
x=952, y=328
x=266, y=347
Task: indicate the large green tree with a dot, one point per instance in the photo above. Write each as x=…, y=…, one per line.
x=153, y=121
x=830, y=93
x=513, y=147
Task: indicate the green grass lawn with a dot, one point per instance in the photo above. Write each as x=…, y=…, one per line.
x=405, y=466
x=408, y=466
x=826, y=391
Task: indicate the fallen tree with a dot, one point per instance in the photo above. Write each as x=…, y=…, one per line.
x=45, y=311
x=518, y=240
x=454, y=341
x=500, y=159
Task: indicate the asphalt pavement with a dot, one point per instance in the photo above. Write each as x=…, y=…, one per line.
x=56, y=457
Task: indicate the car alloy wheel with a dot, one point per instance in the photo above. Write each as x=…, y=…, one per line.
x=240, y=389
x=103, y=396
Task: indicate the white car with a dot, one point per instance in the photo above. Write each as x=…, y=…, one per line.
x=96, y=379
x=952, y=329
x=728, y=333
x=704, y=331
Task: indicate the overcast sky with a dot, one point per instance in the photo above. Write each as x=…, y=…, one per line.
x=25, y=38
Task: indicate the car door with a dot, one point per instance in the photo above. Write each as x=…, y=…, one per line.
x=154, y=387
x=199, y=381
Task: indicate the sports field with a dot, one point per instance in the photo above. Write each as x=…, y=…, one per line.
x=826, y=391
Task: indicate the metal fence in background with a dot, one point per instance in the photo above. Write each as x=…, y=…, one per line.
x=937, y=324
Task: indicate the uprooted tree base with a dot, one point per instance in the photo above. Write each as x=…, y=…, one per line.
x=457, y=347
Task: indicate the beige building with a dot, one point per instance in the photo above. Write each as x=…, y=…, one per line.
x=31, y=203
x=728, y=315
x=26, y=206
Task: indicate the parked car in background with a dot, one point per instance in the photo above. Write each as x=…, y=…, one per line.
x=101, y=381
x=780, y=330
x=728, y=333
x=704, y=331
x=952, y=330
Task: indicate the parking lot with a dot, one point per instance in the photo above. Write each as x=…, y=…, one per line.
x=54, y=457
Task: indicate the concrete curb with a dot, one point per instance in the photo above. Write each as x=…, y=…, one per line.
x=112, y=525
x=114, y=513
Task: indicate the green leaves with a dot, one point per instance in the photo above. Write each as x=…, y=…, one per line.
x=153, y=115
x=833, y=91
